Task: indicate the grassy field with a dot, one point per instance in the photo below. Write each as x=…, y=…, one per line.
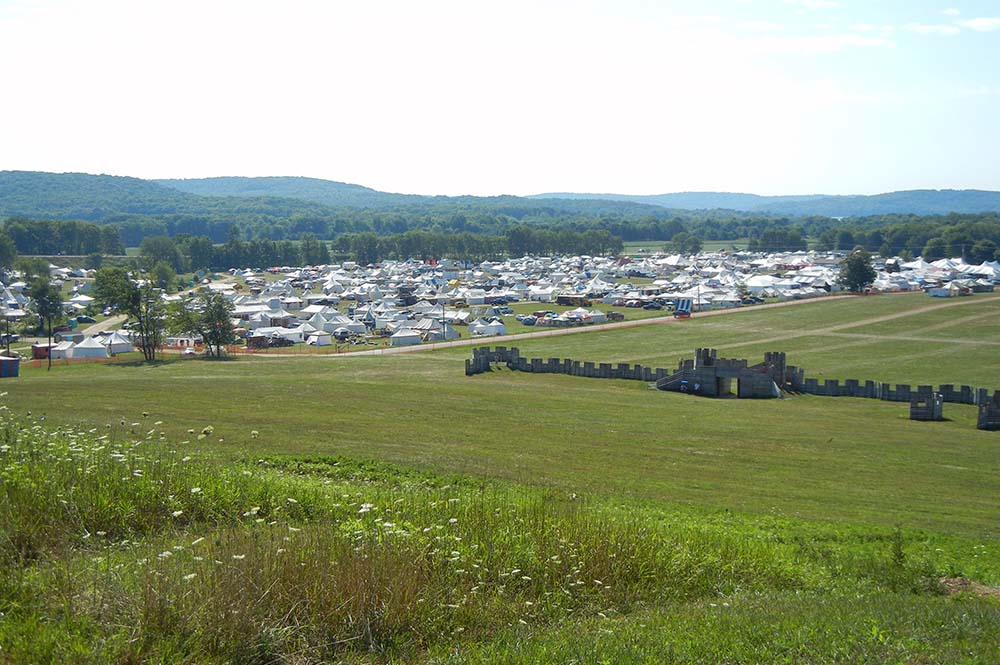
x=798, y=456
x=122, y=547
x=827, y=520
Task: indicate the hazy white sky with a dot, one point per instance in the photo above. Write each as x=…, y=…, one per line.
x=510, y=96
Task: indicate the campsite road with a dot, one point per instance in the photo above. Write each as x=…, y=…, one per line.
x=107, y=324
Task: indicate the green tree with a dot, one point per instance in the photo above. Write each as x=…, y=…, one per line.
x=142, y=304
x=983, y=250
x=520, y=241
x=32, y=267
x=94, y=261
x=314, y=252
x=845, y=239
x=200, y=253
x=208, y=314
x=856, y=271
x=684, y=243
x=8, y=252
x=48, y=305
x=161, y=248
x=163, y=276
x=365, y=248
x=934, y=249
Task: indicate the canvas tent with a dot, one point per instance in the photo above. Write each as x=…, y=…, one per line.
x=61, y=351
x=319, y=339
x=117, y=343
x=88, y=347
x=405, y=337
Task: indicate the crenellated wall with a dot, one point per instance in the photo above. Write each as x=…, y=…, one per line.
x=707, y=374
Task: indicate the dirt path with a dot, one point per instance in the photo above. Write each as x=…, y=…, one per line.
x=107, y=324
x=865, y=322
x=480, y=341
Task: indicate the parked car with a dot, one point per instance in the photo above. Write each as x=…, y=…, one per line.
x=652, y=305
x=86, y=319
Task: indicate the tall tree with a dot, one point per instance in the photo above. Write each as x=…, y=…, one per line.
x=200, y=252
x=161, y=248
x=163, y=276
x=142, y=304
x=856, y=271
x=48, y=305
x=8, y=252
x=208, y=314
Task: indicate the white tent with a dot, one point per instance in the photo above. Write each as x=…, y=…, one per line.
x=117, y=343
x=405, y=337
x=61, y=350
x=319, y=339
x=88, y=347
x=488, y=329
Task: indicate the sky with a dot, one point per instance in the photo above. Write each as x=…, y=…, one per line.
x=510, y=96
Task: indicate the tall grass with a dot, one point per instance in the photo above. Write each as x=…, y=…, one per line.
x=118, y=544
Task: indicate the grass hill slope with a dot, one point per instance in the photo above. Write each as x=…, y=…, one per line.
x=390, y=509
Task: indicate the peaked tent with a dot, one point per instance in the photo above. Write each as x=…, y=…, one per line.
x=88, y=347
x=117, y=343
x=405, y=337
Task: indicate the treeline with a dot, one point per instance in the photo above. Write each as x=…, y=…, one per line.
x=191, y=253
x=974, y=237
x=475, y=218
x=371, y=236
x=776, y=239
x=47, y=236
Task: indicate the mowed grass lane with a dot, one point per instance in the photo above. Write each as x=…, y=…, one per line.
x=821, y=458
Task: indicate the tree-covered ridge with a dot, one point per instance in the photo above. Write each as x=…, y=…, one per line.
x=325, y=192
x=125, y=211
x=919, y=202
x=101, y=198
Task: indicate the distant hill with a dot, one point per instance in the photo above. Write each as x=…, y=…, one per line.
x=690, y=200
x=327, y=192
x=328, y=210
x=917, y=202
x=98, y=198
x=103, y=198
x=83, y=196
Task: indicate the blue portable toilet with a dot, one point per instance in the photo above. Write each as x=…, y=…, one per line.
x=9, y=367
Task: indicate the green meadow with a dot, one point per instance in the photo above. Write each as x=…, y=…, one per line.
x=806, y=529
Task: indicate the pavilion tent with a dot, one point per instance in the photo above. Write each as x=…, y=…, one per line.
x=117, y=343
x=88, y=347
x=62, y=350
x=405, y=337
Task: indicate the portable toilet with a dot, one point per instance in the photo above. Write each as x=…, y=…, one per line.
x=9, y=367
